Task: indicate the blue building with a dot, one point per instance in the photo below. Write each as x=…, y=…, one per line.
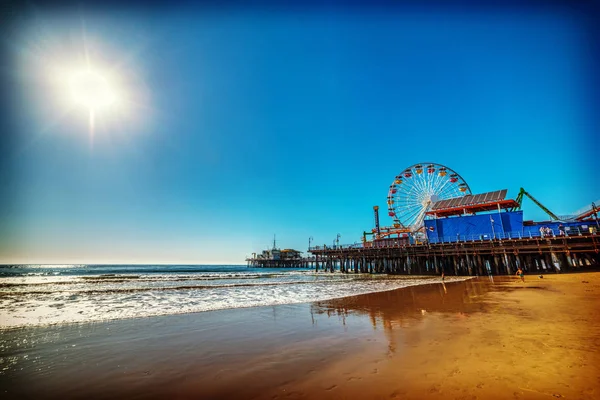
x=488, y=216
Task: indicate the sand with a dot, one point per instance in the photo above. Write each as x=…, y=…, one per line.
x=480, y=339
x=534, y=340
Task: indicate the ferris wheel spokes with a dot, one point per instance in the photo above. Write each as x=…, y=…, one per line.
x=413, y=192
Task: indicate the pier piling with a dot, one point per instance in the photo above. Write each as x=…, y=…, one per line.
x=494, y=256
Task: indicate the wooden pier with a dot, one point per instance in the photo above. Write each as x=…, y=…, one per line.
x=478, y=257
x=258, y=262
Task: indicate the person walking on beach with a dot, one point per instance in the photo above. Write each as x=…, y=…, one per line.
x=520, y=274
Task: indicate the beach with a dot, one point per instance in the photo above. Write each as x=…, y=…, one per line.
x=484, y=338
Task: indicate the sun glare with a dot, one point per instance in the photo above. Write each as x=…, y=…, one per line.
x=96, y=91
x=91, y=90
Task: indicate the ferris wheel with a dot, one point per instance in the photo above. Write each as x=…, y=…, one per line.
x=414, y=190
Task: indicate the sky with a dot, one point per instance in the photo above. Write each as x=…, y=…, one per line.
x=235, y=123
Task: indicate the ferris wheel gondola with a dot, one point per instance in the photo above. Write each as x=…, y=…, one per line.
x=413, y=192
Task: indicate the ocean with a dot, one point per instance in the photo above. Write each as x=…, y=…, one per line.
x=40, y=295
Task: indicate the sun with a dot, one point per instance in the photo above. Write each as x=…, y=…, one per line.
x=96, y=91
x=83, y=85
x=92, y=90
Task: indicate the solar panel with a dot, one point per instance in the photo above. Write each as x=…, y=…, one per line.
x=494, y=196
x=440, y=204
x=468, y=200
x=500, y=195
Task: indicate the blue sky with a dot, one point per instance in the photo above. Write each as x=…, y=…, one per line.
x=247, y=122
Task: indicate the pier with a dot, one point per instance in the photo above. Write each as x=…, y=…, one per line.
x=464, y=257
x=439, y=226
x=258, y=262
x=278, y=258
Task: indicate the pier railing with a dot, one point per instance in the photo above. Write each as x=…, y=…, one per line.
x=508, y=236
x=574, y=231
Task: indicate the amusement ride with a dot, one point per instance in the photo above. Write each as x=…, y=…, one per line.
x=435, y=190
x=411, y=195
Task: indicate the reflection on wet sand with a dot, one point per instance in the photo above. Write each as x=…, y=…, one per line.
x=399, y=308
x=408, y=307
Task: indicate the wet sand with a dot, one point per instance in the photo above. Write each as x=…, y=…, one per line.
x=479, y=339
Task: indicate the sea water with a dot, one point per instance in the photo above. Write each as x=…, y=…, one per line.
x=36, y=295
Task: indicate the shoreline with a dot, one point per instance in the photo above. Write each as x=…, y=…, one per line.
x=480, y=338
x=430, y=280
